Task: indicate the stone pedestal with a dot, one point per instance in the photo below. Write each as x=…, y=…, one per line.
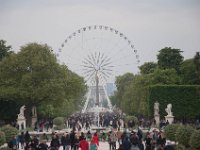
x=21, y=122
x=170, y=119
x=33, y=121
x=157, y=119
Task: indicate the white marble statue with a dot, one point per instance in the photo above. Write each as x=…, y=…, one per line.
x=21, y=112
x=156, y=108
x=169, y=110
x=21, y=120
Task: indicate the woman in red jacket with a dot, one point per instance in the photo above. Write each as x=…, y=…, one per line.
x=95, y=138
x=84, y=145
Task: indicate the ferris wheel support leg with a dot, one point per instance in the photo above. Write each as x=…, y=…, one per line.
x=108, y=99
x=86, y=102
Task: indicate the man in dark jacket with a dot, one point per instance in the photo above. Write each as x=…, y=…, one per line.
x=126, y=144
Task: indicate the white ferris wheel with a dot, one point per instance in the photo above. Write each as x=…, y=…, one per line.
x=99, y=54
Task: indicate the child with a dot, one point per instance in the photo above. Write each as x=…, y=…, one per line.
x=93, y=145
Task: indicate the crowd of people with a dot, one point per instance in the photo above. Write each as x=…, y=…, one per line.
x=69, y=141
x=134, y=140
x=126, y=140
x=86, y=120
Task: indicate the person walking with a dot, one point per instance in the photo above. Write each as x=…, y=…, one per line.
x=95, y=138
x=22, y=140
x=126, y=143
x=84, y=145
x=65, y=141
x=93, y=145
x=27, y=138
x=113, y=138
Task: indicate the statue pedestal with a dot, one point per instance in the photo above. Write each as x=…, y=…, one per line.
x=170, y=119
x=21, y=121
x=157, y=119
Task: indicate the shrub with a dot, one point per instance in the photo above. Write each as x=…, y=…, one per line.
x=195, y=140
x=2, y=138
x=170, y=131
x=9, y=131
x=135, y=119
x=180, y=147
x=183, y=134
x=58, y=121
x=59, y=127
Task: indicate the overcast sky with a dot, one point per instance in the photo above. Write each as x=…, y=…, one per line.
x=149, y=24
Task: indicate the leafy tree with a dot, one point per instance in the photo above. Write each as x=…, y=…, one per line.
x=121, y=83
x=132, y=90
x=188, y=72
x=167, y=76
x=4, y=50
x=134, y=99
x=33, y=77
x=148, y=67
x=169, y=58
x=51, y=111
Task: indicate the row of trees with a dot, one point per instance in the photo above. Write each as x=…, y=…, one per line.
x=33, y=77
x=170, y=69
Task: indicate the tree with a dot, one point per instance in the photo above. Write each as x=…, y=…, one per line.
x=169, y=58
x=4, y=50
x=34, y=78
x=188, y=72
x=134, y=100
x=121, y=83
x=167, y=77
x=148, y=67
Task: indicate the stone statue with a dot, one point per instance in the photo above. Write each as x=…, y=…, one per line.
x=34, y=112
x=21, y=120
x=21, y=112
x=156, y=108
x=169, y=110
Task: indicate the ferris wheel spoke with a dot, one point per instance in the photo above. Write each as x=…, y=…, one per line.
x=87, y=66
x=88, y=71
x=90, y=62
x=106, y=69
x=98, y=58
x=90, y=75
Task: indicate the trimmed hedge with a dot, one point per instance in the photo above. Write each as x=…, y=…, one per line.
x=185, y=99
x=2, y=138
x=9, y=131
